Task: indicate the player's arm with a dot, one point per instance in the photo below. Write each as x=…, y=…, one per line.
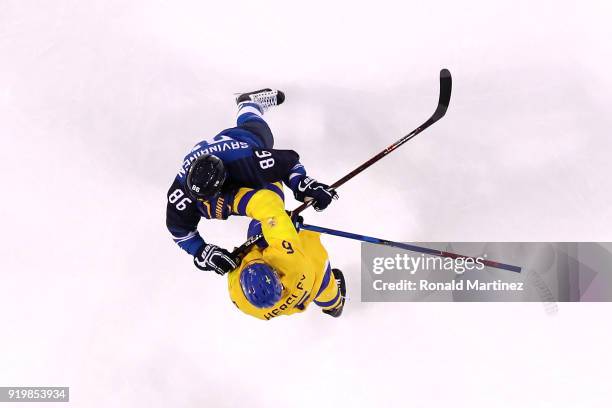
x=182, y=218
x=271, y=165
x=267, y=207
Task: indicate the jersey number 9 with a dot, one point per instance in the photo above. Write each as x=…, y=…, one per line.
x=287, y=245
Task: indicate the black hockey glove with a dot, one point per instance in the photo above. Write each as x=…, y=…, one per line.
x=212, y=258
x=310, y=189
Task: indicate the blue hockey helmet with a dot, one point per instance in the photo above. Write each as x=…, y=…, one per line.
x=261, y=285
x=206, y=177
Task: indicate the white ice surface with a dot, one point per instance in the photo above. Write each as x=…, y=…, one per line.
x=99, y=100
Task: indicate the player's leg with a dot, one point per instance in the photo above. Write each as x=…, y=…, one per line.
x=266, y=98
x=250, y=118
x=251, y=107
x=332, y=294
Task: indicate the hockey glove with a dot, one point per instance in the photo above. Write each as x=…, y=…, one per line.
x=212, y=258
x=310, y=189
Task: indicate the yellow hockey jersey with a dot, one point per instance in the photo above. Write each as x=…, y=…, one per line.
x=299, y=258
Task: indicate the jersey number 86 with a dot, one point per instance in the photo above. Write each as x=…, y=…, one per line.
x=176, y=196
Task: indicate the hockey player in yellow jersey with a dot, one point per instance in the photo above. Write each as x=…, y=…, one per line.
x=287, y=270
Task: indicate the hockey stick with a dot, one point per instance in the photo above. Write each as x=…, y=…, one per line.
x=408, y=247
x=446, y=84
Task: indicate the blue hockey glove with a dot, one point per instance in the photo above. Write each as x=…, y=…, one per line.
x=310, y=189
x=212, y=258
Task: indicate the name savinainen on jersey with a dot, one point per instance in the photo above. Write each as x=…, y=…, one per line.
x=222, y=144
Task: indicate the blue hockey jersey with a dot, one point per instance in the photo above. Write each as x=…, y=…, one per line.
x=250, y=160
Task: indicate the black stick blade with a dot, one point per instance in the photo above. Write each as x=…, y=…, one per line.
x=446, y=87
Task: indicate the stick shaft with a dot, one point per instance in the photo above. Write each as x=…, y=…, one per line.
x=408, y=247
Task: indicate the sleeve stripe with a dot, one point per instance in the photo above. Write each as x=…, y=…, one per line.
x=244, y=201
x=185, y=237
x=278, y=190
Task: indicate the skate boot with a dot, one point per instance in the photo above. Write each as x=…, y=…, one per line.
x=339, y=277
x=266, y=98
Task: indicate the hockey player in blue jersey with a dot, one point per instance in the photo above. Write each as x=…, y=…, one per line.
x=211, y=174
